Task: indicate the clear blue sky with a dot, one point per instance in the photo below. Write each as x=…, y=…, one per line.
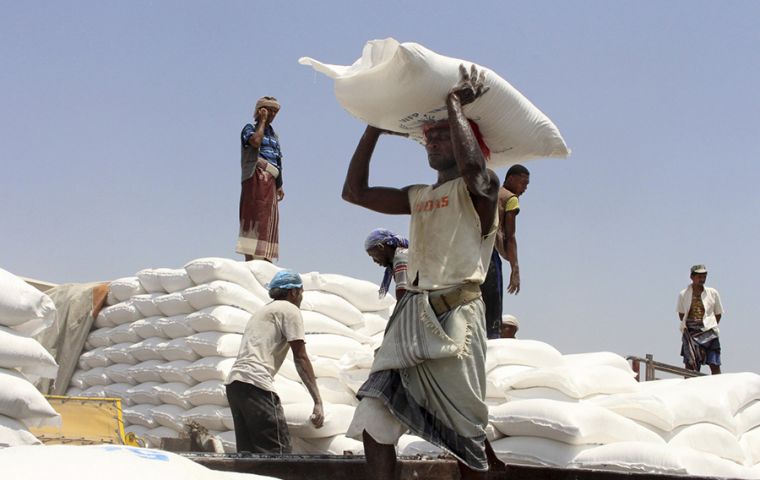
x=119, y=127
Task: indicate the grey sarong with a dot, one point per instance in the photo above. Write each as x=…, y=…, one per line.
x=430, y=373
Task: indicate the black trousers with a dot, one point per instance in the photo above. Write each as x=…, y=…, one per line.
x=492, y=290
x=259, y=419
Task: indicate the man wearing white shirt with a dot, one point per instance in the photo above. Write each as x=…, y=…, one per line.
x=700, y=311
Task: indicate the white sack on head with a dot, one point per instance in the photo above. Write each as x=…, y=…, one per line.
x=400, y=87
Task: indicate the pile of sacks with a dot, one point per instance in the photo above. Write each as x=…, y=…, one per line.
x=24, y=311
x=588, y=411
x=169, y=337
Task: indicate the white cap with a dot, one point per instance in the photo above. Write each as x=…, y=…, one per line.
x=510, y=320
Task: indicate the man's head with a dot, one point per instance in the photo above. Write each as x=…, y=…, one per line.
x=270, y=104
x=517, y=179
x=698, y=275
x=509, y=326
x=439, y=147
x=287, y=285
x=381, y=245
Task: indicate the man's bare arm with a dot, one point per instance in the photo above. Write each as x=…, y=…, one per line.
x=510, y=248
x=482, y=183
x=306, y=372
x=356, y=187
x=258, y=136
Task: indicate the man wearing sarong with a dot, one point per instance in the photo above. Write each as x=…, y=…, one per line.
x=256, y=408
x=699, y=310
x=261, y=188
x=390, y=251
x=515, y=184
x=428, y=375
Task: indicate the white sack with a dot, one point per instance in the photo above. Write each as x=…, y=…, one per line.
x=124, y=288
x=207, y=270
x=112, y=462
x=23, y=307
x=333, y=306
x=331, y=346
x=708, y=438
x=95, y=376
x=150, y=280
x=211, y=392
x=118, y=390
x=337, y=420
x=176, y=371
x=100, y=337
x=177, y=349
x=209, y=416
x=169, y=416
x=412, y=445
x=220, y=292
x=293, y=392
x=14, y=433
x=215, y=344
x=173, y=393
x=227, y=419
x=173, y=304
x=337, y=445
x=124, y=333
x=573, y=423
x=373, y=323
x=174, y=279
x=512, y=351
x=210, y=368
x=154, y=436
x=145, y=371
x=399, y=87
x=750, y=442
x=95, y=391
x=263, y=272
x=146, y=304
x=77, y=380
x=315, y=322
x=175, y=326
x=147, y=349
x=26, y=354
x=148, y=327
x=499, y=376
x=144, y=393
x=533, y=393
x=595, y=359
x=748, y=417
x=21, y=401
x=575, y=382
x=118, y=373
x=124, y=312
x=221, y=318
x=360, y=293
x=536, y=451
x=335, y=391
x=94, y=358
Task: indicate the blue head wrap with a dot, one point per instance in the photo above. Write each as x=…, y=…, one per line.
x=286, y=279
x=381, y=236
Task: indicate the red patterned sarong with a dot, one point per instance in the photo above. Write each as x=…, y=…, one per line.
x=259, y=215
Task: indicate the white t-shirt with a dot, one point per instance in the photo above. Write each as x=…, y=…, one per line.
x=265, y=344
x=446, y=247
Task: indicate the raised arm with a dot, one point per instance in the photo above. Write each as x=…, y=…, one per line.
x=356, y=187
x=258, y=136
x=481, y=182
x=306, y=372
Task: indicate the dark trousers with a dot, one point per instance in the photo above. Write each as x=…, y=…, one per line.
x=493, y=296
x=259, y=419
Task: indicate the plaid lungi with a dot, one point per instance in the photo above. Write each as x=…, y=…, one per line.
x=259, y=214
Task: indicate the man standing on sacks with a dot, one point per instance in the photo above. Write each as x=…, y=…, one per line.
x=428, y=375
x=700, y=310
x=256, y=409
x=261, y=184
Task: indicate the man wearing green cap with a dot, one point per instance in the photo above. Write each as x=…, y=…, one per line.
x=700, y=311
x=256, y=409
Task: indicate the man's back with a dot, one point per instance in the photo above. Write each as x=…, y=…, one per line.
x=265, y=344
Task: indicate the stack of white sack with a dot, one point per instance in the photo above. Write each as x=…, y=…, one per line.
x=170, y=336
x=114, y=462
x=24, y=311
x=588, y=411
